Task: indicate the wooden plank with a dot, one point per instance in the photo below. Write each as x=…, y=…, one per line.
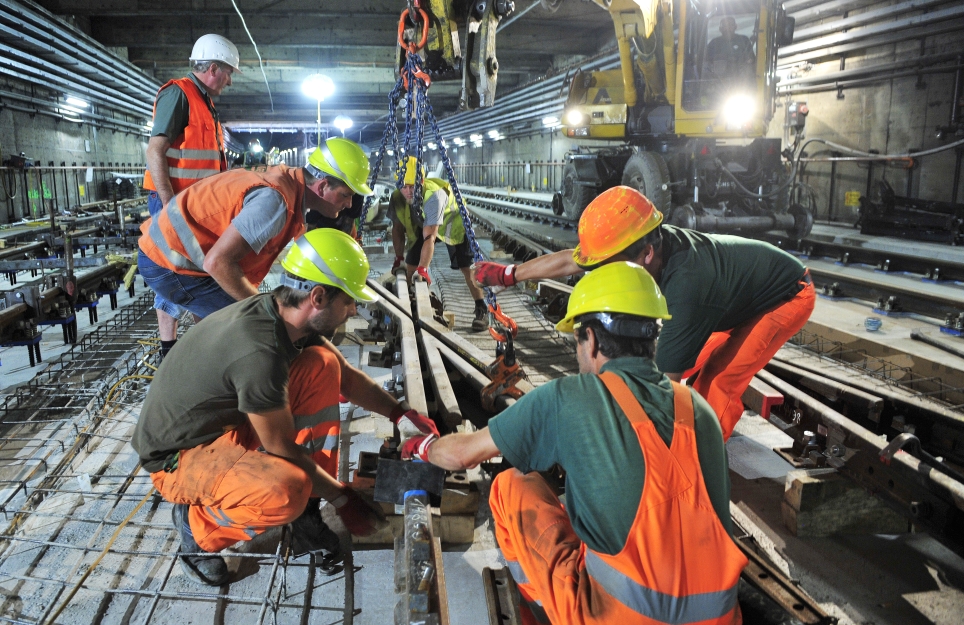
x=760, y=397
x=447, y=403
x=822, y=502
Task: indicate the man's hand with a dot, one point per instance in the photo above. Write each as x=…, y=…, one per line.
x=359, y=517
x=419, y=421
x=493, y=274
x=397, y=263
x=422, y=273
x=417, y=447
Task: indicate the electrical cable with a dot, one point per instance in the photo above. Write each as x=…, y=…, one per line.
x=844, y=148
x=260, y=61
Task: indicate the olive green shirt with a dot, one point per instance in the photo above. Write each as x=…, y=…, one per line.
x=172, y=111
x=575, y=422
x=713, y=283
x=234, y=362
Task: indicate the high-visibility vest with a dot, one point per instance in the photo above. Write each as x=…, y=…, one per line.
x=198, y=152
x=187, y=228
x=679, y=564
x=451, y=230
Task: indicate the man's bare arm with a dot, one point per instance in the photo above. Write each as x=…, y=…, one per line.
x=428, y=247
x=157, y=164
x=398, y=239
x=555, y=265
x=454, y=452
x=276, y=431
x=223, y=263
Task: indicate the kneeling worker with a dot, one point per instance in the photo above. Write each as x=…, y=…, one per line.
x=240, y=425
x=215, y=241
x=734, y=301
x=442, y=221
x=645, y=532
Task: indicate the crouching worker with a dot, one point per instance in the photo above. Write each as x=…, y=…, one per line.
x=240, y=425
x=441, y=220
x=644, y=536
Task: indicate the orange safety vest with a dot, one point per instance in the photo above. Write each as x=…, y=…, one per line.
x=198, y=152
x=181, y=235
x=679, y=564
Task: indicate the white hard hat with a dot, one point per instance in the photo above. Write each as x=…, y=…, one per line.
x=216, y=48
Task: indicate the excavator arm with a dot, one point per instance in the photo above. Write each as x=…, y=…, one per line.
x=460, y=44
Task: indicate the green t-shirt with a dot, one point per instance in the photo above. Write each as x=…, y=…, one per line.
x=575, y=422
x=232, y=363
x=172, y=111
x=713, y=283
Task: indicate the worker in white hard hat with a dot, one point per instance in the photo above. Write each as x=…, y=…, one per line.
x=187, y=143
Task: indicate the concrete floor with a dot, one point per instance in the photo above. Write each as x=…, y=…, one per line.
x=90, y=489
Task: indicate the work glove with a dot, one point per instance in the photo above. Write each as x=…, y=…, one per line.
x=417, y=447
x=358, y=515
x=397, y=263
x=423, y=273
x=493, y=274
x=403, y=413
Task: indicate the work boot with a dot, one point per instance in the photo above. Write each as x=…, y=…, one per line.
x=310, y=534
x=480, y=322
x=209, y=569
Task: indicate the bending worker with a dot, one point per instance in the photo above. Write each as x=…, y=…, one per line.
x=240, y=425
x=644, y=535
x=187, y=143
x=441, y=220
x=215, y=241
x=734, y=301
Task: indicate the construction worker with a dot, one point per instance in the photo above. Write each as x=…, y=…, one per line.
x=441, y=221
x=213, y=244
x=734, y=301
x=187, y=143
x=644, y=536
x=240, y=425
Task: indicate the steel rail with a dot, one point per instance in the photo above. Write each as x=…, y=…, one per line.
x=927, y=497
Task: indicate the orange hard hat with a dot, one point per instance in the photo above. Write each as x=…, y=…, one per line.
x=616, y=219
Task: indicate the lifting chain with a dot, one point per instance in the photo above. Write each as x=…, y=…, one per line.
x=414, y=82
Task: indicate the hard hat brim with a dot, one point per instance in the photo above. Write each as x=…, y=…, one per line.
x=361, y=189
x=365, y=295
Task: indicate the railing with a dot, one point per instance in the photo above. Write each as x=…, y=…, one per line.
x=33, y=192
x=524, y=175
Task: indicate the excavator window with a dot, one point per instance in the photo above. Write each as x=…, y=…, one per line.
x=720, y=59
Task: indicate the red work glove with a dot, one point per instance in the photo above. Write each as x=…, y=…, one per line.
x=417, y=447
x=420, y=421
x=493, y=274
x=423, y=272
x=358, y=515
x=397, y=263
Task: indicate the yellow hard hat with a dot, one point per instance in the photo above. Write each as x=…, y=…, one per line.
x=411, y=166
x=343, y=159
x=620, y=287
x=328, y=257
x=617, y=218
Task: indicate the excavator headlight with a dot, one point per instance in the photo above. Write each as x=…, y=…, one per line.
x=575, y=118
x=738, y=111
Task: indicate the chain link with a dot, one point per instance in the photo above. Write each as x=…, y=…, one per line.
x=419, y=108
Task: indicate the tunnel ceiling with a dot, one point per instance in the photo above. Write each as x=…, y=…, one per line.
x=352, y=42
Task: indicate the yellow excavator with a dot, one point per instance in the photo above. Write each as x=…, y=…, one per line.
x=689, y=106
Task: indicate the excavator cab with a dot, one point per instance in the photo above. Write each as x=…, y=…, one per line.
x=687, y=110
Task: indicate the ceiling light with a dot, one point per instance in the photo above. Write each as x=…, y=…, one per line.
x=318, y=86
x=343, y=123
x=76, y=102
x=493, y=133
x=475, y=138
x=550, y=121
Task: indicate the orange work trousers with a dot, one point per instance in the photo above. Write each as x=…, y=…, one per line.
x=236, y=491
x=545, y=556
x=729, y=360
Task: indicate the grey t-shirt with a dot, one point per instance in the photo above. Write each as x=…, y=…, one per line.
x=262, y=217
x=432, y=208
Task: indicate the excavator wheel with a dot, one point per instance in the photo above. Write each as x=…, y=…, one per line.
x=647, y=172
x=575, y=197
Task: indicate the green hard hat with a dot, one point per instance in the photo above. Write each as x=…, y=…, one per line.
x=343, y=159
x=329, y=257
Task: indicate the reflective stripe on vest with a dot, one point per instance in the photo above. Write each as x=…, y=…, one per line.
x=538, y=611
x=657, y=605
x=451, y=230
x=175, y=258
x=198, y=152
